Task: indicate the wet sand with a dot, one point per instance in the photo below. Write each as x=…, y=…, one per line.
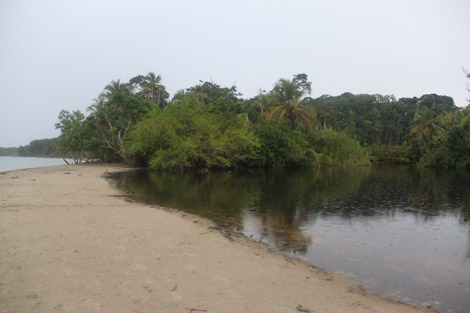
x=69, y=242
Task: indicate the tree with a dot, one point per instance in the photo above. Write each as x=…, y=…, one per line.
x=40, y=148
x=264, y=103
x=116, y=110
x=150, y=88
x=450, y=147
x=212, y=93
x=114, y=88
x=74, y=137
x=113, y=119
x=189, y=135
x=437, y=103
x=424, y=128
x=222, y=101
x=287, y=95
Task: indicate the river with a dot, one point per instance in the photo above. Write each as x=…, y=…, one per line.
x=8, y=163
x=400, y=232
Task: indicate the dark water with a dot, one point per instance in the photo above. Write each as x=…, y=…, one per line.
x=400, y=232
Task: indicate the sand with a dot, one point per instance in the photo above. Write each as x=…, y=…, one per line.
x=70, y=243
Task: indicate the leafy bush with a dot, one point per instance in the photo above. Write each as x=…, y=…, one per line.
x=388, y=154
x=187, y=135
x=281, y=146
x=337, y=148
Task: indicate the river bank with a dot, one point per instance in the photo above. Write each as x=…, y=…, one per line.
x=72, y=243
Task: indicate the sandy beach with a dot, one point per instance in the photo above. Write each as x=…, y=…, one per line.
x=70, y=242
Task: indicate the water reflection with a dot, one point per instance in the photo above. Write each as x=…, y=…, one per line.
x=400, y=231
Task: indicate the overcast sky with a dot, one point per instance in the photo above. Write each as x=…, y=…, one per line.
x=60, y=54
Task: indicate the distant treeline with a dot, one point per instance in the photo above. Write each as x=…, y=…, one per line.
x=376, y=119
x=12, y=151
x=210, y=126
x=36, y=148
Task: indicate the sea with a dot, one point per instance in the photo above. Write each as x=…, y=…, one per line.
x=8, y=163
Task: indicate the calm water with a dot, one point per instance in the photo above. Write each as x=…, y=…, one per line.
x=17, y=163
x=400, y=232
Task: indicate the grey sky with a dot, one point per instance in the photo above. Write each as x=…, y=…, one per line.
x=60, y=54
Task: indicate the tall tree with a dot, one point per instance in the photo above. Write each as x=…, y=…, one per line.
x=112, y=116
x=287, y=95
x=97, y=105
x=113, y=88
x=264, y=103
x=211, y=93
x=74, y=137
x=113, y=119
x=150, y=88
x=424, y=128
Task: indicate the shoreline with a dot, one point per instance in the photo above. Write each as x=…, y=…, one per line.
x=39, y=162
x=72, y=243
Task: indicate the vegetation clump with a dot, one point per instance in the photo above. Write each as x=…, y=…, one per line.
x=209, y=126
x=37, y=148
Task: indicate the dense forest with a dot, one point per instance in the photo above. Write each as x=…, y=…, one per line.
x=210, y=126
x=36, y=148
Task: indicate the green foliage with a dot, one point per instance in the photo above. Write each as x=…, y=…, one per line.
x=286, y=96
x=36, y=148
x=210, y=126
x=112, y=118
x=210, y=93
x=188, y=135
x=150, y=88
x=222, y=101
x=424, y=128
x=74, y=138
x=9, y=151
x=450, y=147
x=437, y=104
x=388, y=154
x=281, y=147
x=375, y=119
x=337, y=148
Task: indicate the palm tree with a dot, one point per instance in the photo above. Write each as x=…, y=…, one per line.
x=287, y=95
x=448, y=120
x=153, y=90
x=97, y=105
x=150, y=88
x=179, y=94
x=264, y=102
x=425, y=127
x=113, y=88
